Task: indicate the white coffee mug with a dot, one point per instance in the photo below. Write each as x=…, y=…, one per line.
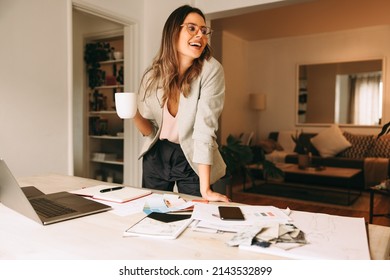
x=126, y=104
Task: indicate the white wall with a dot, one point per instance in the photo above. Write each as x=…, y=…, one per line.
x=157, y=13
x=236, y=116
x=34, y=92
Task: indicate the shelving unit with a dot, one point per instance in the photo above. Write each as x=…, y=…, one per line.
x=105, y=138
x=302, y=99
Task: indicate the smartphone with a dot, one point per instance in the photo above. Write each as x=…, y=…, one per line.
x=231, y=213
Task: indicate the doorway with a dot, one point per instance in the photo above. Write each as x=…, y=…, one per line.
x=89, y=23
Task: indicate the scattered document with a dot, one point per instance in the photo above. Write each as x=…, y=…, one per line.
x=208, y=217
x=246, y=236
x=326, y=237
x=160, y=225
x=164, y=203
x=119, y=194
x=284, y=236
x=127, y=208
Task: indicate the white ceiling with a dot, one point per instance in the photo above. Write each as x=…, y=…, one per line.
x=296, y=18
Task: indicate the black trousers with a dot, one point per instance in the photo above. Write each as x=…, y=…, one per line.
x=164, y=165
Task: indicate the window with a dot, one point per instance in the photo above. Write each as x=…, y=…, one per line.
x=363, y=102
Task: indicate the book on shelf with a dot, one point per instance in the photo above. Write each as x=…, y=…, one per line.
x=104, y=156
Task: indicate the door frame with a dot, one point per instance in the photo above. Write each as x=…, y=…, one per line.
x=131, y=170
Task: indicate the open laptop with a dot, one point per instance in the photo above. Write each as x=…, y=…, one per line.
x=43, y=208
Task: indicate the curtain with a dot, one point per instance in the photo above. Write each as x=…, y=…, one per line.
x=365, y=97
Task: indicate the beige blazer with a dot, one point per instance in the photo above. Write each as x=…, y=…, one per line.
x=198, y=118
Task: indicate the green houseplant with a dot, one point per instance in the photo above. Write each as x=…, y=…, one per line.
x=235, y=154
x=238, y=156
x=93, y=54
x=302, y=148
x=385, y=130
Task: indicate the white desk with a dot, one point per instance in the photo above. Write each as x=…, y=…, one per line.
x=99, y=236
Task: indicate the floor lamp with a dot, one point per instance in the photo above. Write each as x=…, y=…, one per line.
x=257, y=102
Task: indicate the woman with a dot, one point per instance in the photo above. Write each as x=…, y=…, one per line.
x=180, y=100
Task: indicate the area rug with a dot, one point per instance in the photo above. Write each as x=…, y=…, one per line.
x=307, y=193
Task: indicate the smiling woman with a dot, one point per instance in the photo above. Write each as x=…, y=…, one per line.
x=181, y=99
x=343, y=93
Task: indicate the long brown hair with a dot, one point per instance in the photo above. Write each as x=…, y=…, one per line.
x=164, y=71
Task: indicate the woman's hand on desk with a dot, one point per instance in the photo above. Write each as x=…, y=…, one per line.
x=205, y=190
x=215, y=196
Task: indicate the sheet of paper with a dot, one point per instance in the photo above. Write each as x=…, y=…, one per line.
x=328, y=237
x=166, y=203
x=208, y=216
x=151, y=203
x=245, y=237
x=127, y=208
x=270, y=232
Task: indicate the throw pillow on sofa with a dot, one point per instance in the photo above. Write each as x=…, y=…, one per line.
x=360, y=145
x=286, y=141
x=330, y=141
x=270, y=145
x=380, y=147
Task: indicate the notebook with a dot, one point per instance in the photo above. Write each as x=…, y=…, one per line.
x=160, y=225
x=43, y=208
x=118, y=194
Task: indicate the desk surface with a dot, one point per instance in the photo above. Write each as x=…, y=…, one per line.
x=100, y=236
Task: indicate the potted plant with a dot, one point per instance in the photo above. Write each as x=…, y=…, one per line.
x=238, y=156
x=93, y=54
x=385, y=130
x=385, y=185
x=302, y=148
x=235, y=154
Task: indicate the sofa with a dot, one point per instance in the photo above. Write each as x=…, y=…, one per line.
x=344, y=149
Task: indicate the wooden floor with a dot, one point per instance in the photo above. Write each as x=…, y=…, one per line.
x=360, y=208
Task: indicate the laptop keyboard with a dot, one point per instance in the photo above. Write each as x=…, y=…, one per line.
x=50, y=209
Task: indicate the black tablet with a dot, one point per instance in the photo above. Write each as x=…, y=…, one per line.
x=230, y=213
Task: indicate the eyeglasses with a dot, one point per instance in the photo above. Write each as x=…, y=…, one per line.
x=193, y=29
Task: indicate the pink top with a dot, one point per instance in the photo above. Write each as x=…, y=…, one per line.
x=169, y=128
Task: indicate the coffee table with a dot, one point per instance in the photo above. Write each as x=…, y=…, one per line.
x=304, y=178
